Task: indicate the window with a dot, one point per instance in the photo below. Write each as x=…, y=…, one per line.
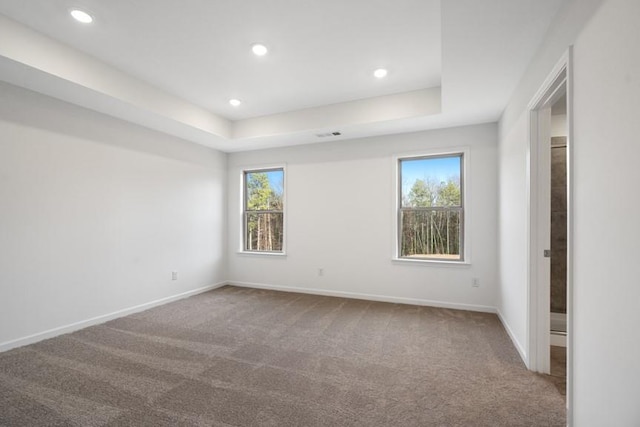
x=431, y=207
x=263, y=210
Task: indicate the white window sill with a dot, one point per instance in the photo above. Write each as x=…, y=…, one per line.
x=431, y=262
x=261, y=254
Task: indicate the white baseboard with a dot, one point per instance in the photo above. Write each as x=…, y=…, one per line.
x=8, y=345
x=514, y=340
x=368, y=297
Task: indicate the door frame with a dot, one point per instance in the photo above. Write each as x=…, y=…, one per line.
x=558, y=82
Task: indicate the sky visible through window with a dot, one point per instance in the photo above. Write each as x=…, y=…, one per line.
x=276, y=180
x=438, y=169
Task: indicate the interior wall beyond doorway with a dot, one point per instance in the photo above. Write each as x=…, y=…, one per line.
x=558, y=204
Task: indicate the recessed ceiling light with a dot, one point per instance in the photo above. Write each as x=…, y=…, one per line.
x=235, y=102
x=380, y=73
x=81, y=16
x=259, y=49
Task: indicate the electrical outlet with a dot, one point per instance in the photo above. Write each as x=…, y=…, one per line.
x=174, y=275
x=321, y=272
x=475, y=282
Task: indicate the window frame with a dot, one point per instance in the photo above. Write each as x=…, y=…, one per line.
x=244, y=212
x=465, y=253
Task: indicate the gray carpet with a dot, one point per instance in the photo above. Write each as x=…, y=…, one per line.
x=246, y=357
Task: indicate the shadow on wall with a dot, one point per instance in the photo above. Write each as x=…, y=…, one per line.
x=31, y=109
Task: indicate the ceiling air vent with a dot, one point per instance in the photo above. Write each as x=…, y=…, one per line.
x=324, y=135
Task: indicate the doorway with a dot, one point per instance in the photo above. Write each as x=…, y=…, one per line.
x=558, y=244
x=549, y=266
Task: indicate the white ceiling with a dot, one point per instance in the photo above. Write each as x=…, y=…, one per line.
x=450, y=64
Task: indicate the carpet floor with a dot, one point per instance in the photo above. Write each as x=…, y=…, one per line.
x=247, y=357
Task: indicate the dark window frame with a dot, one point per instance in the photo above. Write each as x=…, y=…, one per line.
x=246, y=211
x=460, y=209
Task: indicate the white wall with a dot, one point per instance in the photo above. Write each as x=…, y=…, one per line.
x=340, y=217
x=606, y=346
x=559, y=125
x=607, y=272
x=95, y=213
x=514, y=133
x=512, y=294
